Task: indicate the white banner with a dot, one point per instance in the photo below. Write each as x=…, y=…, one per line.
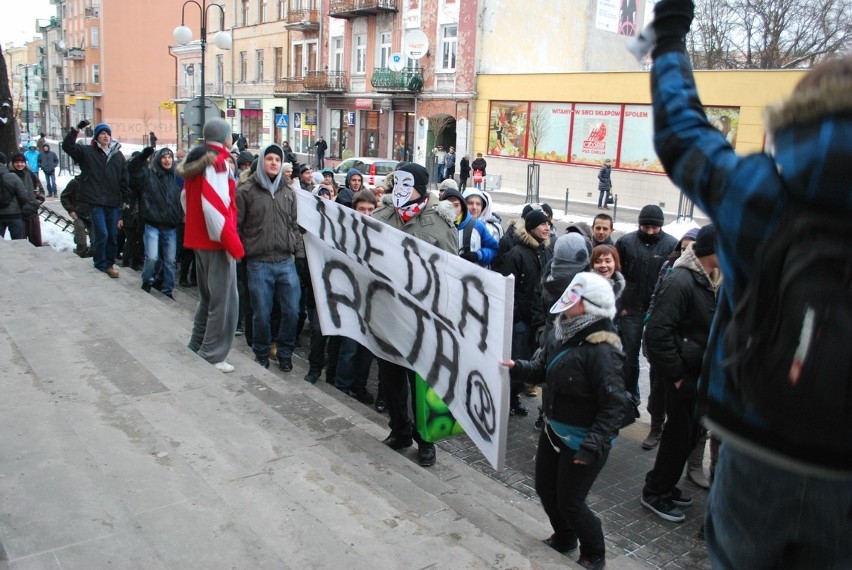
x=412, y=303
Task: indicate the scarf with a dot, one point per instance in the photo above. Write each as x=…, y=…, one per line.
x=412, y=209
x=565, y=328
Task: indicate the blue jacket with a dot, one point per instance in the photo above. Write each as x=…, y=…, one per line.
x=32, y=159
x=481, y=240
x=746, y=196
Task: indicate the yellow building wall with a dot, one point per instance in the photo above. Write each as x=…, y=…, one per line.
x=751, y=91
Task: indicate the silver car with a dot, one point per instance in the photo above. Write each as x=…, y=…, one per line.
x=373, y=169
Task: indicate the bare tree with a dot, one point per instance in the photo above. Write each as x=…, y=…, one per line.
x=539, y=125
x=8, y=126
x=769, y=34
x=439, y=124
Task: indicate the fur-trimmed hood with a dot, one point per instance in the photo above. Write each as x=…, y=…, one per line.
x=522, y=236
x=608, y=337
x=689, y=260
x=197, y=161
x=833, y=96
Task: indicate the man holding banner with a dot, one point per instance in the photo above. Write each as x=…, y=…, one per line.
x=413, y=210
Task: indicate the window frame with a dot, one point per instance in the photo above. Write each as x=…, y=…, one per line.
x=359, y=55
x=449, y=49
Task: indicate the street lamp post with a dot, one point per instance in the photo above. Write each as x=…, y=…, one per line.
x=222, y=39
x=26, y=79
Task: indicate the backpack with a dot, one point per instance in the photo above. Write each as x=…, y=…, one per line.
x=788, y=338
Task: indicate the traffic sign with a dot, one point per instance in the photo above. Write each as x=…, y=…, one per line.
x=281, y=121
x=197, y=113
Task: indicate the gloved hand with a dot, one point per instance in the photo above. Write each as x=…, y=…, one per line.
x=83, y=124
x=146, y=152
x=672, y=19
x=470, y=256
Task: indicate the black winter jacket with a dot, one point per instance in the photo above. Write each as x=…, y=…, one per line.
x=640, y=264
x=679, y=326
x=158, y=190
x=32, y=185
x=71, y=202
x=23, y=201
x=105, y=181
x=526, y=262
x=585, y=386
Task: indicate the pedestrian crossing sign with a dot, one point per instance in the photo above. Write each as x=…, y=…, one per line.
x=281, y=121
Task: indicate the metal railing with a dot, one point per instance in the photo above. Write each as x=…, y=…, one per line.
x=75, y=53
x=353, y=8
x=303, y=18
x=289, y=85
x=388, y=80
x=325, y=82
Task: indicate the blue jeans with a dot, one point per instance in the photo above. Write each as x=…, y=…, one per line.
x=763, y=516
x=266, y=281
x=155, y=238
x=630, y=329
x=50, y=182
x=353, y=365
x=16, y=228
x=105, y=236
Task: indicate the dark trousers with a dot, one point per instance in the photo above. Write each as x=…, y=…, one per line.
x=353, y=366
x=397, y=385
x=332, y=347
x=630, y=328
x=657, y=399
x=316, y=352
x=677, y=441
x=563, y=486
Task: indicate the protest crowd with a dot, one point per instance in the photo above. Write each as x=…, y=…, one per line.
x=229, y=223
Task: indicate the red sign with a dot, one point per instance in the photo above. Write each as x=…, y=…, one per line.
x=364, y=104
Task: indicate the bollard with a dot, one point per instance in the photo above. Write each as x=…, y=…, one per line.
x=566, y=201
x=614, y=207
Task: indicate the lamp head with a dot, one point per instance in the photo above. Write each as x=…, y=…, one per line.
x=222, y=40
x=182, y=35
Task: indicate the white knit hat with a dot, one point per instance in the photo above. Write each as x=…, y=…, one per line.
x=595, y=290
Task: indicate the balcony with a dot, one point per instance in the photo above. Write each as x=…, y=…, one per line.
x=287, y=85
x=93, y=11
x=187, y=92
x=75, y=53
x=348, y=9
x=303, y=19
x=325, y=82
x=386, y=80
x=78, y=87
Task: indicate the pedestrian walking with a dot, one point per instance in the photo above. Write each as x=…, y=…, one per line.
x=605, y=184
x=321, y=147
x=47, y=162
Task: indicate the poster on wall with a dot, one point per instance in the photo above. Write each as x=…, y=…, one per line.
x=595, y=135
x=727, y=120
x=547, y=131
x=621, y=17
x=507, y=129
x=637, y=140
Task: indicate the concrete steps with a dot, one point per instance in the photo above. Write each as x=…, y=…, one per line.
x=123, y=449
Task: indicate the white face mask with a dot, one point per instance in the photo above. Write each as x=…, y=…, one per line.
x=403, y=188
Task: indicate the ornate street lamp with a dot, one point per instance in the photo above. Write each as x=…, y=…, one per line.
x=36, y=80
x=183, y=35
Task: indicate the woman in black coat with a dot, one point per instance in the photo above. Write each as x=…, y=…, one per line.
x=583, y=407
x=464, y=171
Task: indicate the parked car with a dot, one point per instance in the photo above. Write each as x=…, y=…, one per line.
x=373, y=169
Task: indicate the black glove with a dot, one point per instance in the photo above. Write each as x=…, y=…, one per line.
x=83, y=124
x=470, y=256
x=672, y=19
x=146, y=152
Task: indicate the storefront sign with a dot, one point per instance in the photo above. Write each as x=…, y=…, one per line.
x=364, y=104
x=253, y=104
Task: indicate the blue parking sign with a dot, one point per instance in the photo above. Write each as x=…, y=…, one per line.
x=281, y=121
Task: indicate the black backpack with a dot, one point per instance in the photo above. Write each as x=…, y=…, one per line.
x=788, y=342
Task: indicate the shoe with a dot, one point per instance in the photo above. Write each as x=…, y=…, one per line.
x=532, y=391
x=380, y=406
x=224, y=367
x=518, y=409
x=592, y=563
x=285, y=364
x=262, y=361
x=663, y=508
x=653, y=438
x=183, y=283
x=697, y=476
x=396, y=442
x=539, y=423
x=170, y=296
x=559, y=547
x=312, y=376
x=239, y=331
x=273, y=351
x=362, y=396
x=112, y=272
x=158, y=285
x=146, y=287
x=426, y=455
x=679, y=499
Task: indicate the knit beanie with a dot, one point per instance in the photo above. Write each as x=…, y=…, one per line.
x=420, y=174
x=216, y=130
x=651, y=215
x=271, y=149
x=454, y=193
x=527, y=209
x=691, y=234
x=102, y=127
x=705, y=243
x=534, y=219
x=448, y=184
x=245, y=157
x=570, y=256
x=595, y=290
x=547, y=210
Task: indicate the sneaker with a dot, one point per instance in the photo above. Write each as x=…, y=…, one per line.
x=112, y=272
x=263, y=361
x=285, y=364
x=679, y=499
x=560, y=547
x=224, y=367
x=592, y=563
x=146, y=287
x=381, y=407
x=312, y=376
x=518, y=409
x=426, y=454
x=653, y=438
x=239, y=331
x=663, y=508
x=273, y=351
